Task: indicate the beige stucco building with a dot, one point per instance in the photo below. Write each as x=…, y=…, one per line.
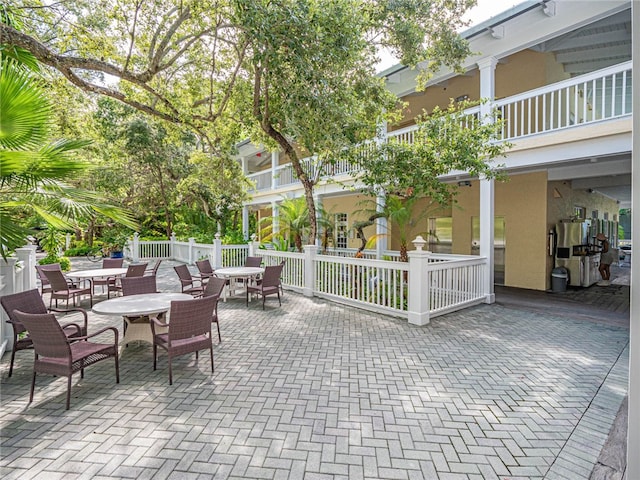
x=560, y=76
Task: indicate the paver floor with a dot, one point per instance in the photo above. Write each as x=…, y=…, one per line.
x=316, y=390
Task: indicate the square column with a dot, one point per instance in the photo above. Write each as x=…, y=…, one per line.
x=487, y=68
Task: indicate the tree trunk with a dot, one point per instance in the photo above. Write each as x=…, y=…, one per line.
x=261, y=112
x=307, y=183
x=404, y=257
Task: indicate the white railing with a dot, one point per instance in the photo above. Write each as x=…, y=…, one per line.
x=445, y=282
x=597, y=96
x=180, y=252
x=393, y=255
x=374, y=284
x=17, y=274
x=261, y=179
x=293, y=271
x=234, y=255
x=188, y=252
x=155, y=249
x=455, y=283
x=285, y=175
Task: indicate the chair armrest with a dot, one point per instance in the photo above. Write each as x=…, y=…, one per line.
x=79, y=331
x=154, y=320
x=74, y=309
x=102, y=330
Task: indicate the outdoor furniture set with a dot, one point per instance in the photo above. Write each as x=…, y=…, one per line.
x=64, y=349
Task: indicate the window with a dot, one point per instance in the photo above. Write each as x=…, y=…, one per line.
x=579, y=212
x=440, y=234
x=341, y=230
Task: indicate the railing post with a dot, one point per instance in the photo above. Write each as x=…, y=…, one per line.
x=8, y=283
x=192, y=242
x=172, y=240
x=135, y=249
x=28, y=258
x=418, y=307
x=253, y=245
x=217, y=252
x=310, y=252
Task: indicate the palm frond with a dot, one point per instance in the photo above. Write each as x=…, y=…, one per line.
x=24, y=122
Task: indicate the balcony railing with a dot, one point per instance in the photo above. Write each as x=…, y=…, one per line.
x=595, y=97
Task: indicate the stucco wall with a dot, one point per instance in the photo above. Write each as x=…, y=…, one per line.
x=440, y=95
x=522, y=71
x=522, y=201
x=356, y=207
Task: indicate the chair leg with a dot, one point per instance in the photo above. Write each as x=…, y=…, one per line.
x=155, y=355
x=211, y=351
x=117, y=368
x=219, y=337
x=69, y=392
x=170, y=372
x=33, y=386
x=13, y=354
x=264, y=297
x=279, y=298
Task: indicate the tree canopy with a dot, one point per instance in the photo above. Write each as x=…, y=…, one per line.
x=294, y=74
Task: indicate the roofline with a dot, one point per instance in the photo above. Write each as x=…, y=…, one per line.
x=476, y=30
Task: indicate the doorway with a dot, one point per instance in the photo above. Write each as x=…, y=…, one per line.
x=499, y=245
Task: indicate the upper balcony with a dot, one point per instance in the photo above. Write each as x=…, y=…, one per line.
x=566, y=106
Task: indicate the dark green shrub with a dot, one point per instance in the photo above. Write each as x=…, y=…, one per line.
x=65, y=263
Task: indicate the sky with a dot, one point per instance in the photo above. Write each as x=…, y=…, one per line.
x=484, y=10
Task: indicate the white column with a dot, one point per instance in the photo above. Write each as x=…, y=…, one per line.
x=254, y=246
x=382, y=226
x=487, y=191
x=487, y=68
x=275, y=211
x=310, y=252
x=275, y=160
x=244, y=161
x=135, y=249
x=172, y=251
x=418, y=301
x=633, y=430
x=217, y=252
x=245, y=222
x=27, y=256
x=487, y=187
x=8, y=278
x=192, y=242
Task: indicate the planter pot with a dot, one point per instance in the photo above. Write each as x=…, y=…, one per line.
x=117, y=254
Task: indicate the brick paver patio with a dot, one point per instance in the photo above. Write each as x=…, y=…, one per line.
x=316, y=390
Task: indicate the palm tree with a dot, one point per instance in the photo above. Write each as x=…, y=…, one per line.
x=293, y=222
x=33, y=168
x=399, y=210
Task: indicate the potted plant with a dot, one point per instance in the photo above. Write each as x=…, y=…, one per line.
x=115, y=244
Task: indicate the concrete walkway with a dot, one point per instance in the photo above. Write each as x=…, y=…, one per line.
x=316, y=390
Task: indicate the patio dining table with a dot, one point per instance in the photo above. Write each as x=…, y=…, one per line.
x=94, y=273
x=138, y=306
x=233, y=274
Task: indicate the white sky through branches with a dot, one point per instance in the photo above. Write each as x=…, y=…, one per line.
x=484, y=10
